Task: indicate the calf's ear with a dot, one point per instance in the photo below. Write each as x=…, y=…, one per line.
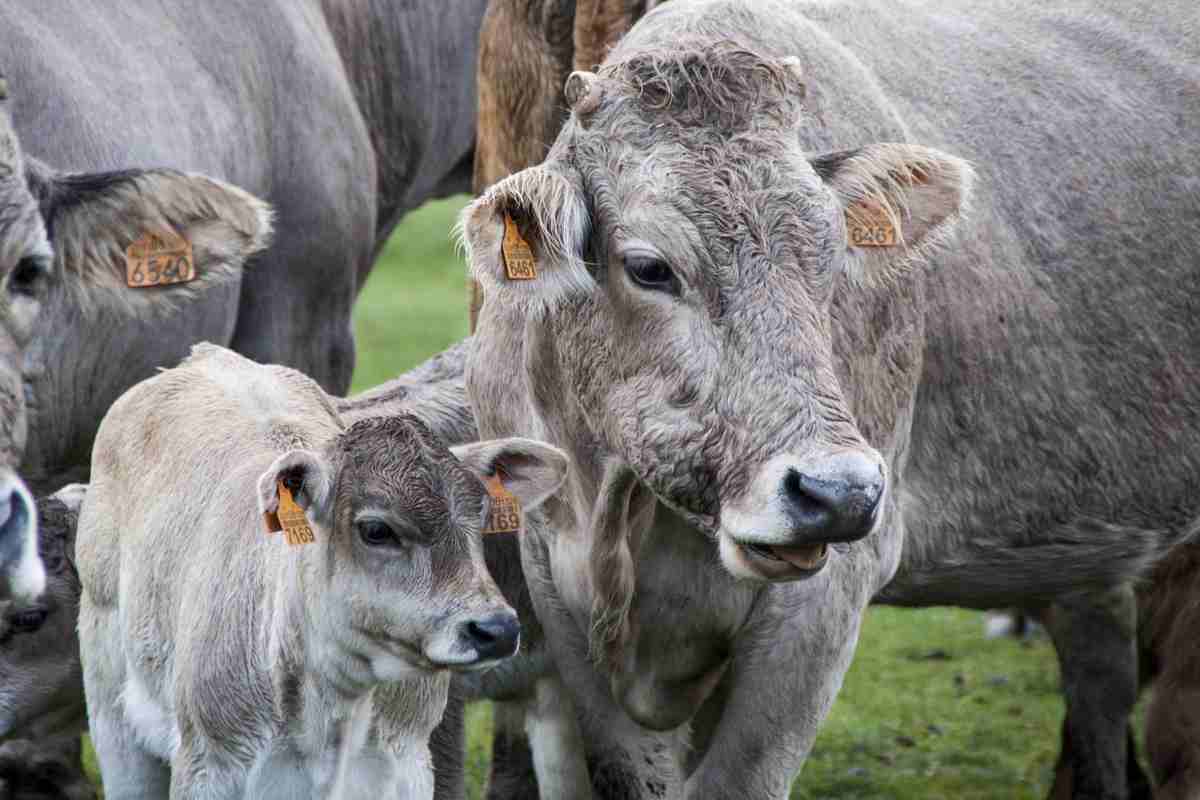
x=93, y=219
x=525, y=238
x=900, y=202
x=529, y=469
x=309, y=478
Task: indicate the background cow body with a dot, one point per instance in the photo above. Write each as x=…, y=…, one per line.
x=1034, y=391
x=345, y=114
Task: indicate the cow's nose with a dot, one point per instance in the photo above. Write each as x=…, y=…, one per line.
x=494, y=636
x=834, y=499
x=21, y=571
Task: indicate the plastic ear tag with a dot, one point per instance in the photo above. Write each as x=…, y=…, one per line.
x=159, y=259
x=290, y=517
x=518, y=257
x=868, y=225
x=505, y=516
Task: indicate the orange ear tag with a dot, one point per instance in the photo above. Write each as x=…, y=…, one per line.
x=868, y=225
x=159, y=259
x=290, y=517
x=518, y=257
x=505, y=516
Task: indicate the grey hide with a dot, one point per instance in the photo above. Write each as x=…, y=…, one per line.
x=221, y=662
x=771, y=426
x=42, y=712
x=343, y=114
x=24, y=260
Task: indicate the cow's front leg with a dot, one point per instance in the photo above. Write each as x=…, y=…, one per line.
x=787, y=669
x=1094, y=634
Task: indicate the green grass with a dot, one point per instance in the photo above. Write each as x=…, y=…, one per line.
x=928, y=710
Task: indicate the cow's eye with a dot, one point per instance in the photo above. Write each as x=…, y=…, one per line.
x=28, y=276
x=376, y=533
x=651, y=273
x=28, y=620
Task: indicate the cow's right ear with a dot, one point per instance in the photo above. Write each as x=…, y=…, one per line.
x=525, y=237
x=309, y=478
x=93, y=218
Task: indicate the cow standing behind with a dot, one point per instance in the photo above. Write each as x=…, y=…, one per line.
x=343, y=114
x=42, y=712
x=250, y=667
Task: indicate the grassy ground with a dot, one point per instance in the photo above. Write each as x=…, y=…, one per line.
x=928, y=710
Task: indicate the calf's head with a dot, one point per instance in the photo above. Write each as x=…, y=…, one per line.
x=24, y=264
x=688, y=252
x=398, y=573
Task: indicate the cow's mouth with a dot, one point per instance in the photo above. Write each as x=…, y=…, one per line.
x=776, y=562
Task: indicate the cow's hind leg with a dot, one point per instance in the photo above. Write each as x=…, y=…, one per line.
x=1094, y=634
x=127, y=770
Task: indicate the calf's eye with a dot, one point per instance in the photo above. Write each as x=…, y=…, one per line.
x=375, y=533
x=651, y=273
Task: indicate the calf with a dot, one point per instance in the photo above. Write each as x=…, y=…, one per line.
x=42, y=713
x=219, y=661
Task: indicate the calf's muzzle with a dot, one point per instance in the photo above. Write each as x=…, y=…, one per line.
x=494, y=636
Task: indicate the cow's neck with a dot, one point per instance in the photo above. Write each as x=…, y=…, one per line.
x=411, y=66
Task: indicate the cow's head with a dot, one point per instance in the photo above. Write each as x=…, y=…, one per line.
x=688, y=252
x=24, y=266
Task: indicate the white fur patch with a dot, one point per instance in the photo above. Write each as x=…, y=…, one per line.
x=153, y=724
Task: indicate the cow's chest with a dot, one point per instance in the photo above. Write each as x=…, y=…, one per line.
x=687, y=613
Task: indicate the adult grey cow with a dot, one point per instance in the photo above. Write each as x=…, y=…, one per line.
x=789, y=385
x=24, y=249
x=345, y=114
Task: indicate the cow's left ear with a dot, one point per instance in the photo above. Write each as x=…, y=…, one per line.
x=900, y=201
x=94, y=219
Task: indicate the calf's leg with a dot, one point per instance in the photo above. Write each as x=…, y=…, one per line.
x=127, y=770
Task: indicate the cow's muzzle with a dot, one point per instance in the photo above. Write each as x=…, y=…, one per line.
x=796, y=508
x=21, y=572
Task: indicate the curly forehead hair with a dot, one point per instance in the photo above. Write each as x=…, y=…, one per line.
x=699, y=82
x=399, y=438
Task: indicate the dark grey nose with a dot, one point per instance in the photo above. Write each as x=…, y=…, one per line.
x=834, y=499
x=494, y=636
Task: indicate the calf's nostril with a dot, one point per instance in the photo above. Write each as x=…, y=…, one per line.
x=497, y=636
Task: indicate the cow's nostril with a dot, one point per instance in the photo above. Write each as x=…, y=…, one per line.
x=806, y=496
x=834, y=499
